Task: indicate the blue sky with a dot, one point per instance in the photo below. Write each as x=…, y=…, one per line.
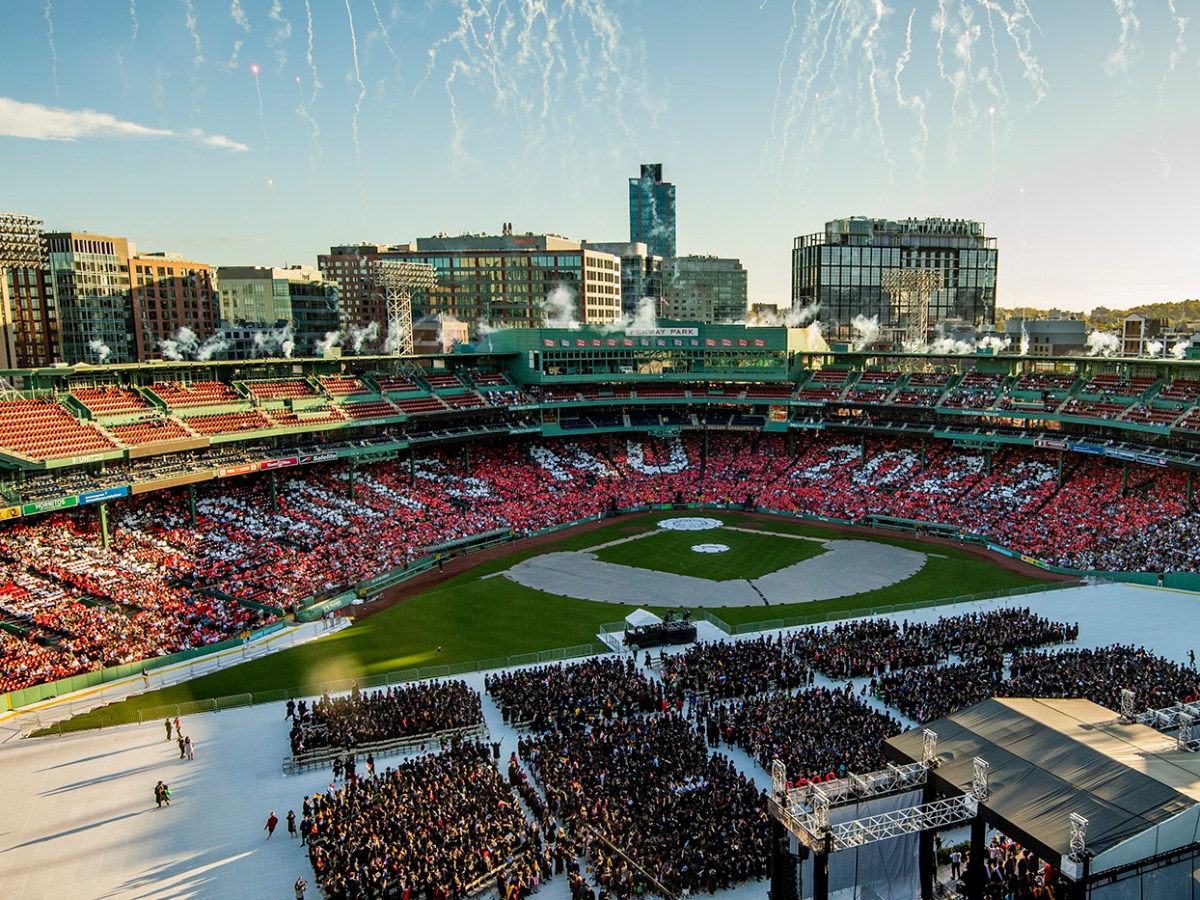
x=1068, y=126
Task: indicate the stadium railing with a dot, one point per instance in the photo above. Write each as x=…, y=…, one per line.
x=324, y=756
x=48, y=691
x=280, y=695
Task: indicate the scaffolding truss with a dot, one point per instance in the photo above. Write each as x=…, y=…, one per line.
x=908, y=293
x=815, y=832
x=22, y=244
x=1179, y=718
x=399, y=279
x=1078, y=845
x=851, y=789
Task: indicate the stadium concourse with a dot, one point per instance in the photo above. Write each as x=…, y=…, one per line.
x=81, y=821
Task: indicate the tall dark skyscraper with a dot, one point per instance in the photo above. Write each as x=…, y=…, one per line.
x=652, y=211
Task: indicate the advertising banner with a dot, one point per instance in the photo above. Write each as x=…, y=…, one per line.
x=41, y=506
x=327, y=456
x=243, y=469
x=267, y=464
x=101, y=496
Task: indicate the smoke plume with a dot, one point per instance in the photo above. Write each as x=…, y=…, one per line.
x=558, y=309
x=1101, y=344
x=866, y=331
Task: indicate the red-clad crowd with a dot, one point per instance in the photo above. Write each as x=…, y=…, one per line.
x=75, y=606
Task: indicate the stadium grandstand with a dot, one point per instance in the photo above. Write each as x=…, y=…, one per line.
x=150, y=510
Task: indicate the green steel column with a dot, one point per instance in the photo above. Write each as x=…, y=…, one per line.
x=862, y=446
x=104, y=525
x=192, y=505
x=1125, y=478
x=791, y=442
x=610, y=445
x=351, y=482
x=706, y=440
x=467, y=459
x=989, y=463
x=923, y=442
x=412, y=466
x=1188, y=490
x=1060, y=468
x=272, y=482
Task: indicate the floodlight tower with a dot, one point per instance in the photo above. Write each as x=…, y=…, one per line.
x=399, y=278
x=908, y=292
x=22, y=246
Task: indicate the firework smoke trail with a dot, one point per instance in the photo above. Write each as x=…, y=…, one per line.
x=262, y=123
x=387, y=41
x=239, y=15
x=870, y=46
x=1128, y=44
x=611, y=73
x=787, y=53
x=53, y=51
x=1019, y=25
x=280, y=34
x=916, y=103
x=547, y=49
x=797, y=103
x=362, y=88
x=1178, y=51
x=133, y=36
x=190, y=22
x=314, y=131
x=530, y=54
x=312, y=66
x=993, y=78
x=239, y=19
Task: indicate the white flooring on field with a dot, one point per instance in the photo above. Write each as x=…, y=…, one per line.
x=78, y=818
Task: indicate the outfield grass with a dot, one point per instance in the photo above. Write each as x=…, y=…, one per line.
x=469, y=618
x=748, y=556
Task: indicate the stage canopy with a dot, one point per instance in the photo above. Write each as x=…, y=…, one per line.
x=1050, y=758
x=641, y=617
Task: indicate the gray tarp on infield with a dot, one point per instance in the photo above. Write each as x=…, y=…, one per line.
x=846, y=568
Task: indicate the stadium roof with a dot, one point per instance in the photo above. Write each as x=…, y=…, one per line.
x=1051, y=758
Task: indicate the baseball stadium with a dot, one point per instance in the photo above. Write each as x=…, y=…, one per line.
x=602, y=614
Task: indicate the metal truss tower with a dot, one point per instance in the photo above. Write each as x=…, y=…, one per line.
x=22, y=246
x=398, y=279
x=908, y=293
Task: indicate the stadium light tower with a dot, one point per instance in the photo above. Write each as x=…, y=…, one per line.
x=908, y=293
x=22, y=246
x=399, y=279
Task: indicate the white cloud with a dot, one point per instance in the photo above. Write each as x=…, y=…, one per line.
x=46, y=123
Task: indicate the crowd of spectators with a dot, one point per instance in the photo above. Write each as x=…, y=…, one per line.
x=428, y=828
x=931, y=692
x=1100, y=676
x=926, y=693
x=651, y=789
x=366, y=717
x=875, y=647
x=561, y=695
x=313, y=532
x=816, y=732
x=721, y=669
x=1013, y=872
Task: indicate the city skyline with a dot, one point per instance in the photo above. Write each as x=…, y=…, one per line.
x=262, y=132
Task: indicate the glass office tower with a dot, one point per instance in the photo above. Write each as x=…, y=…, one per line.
x=843, y=269
x=652, y=211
